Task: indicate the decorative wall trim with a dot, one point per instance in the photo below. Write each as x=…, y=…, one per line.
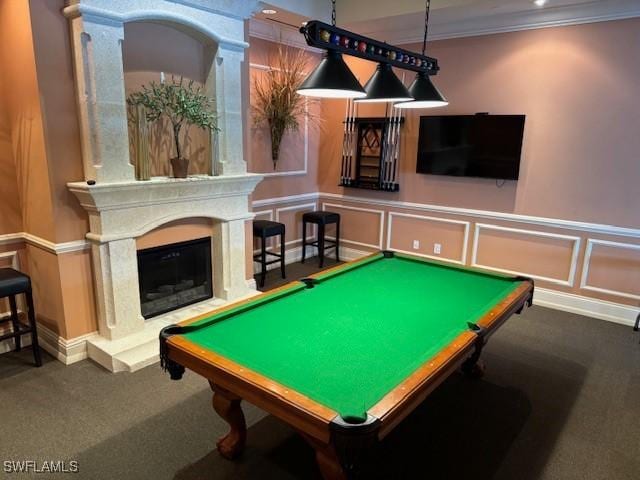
x=569, y=282
x=294, y=207
x=589, y=307
x=587, y=262
x=263, y=212
x=46, y=245
x=493, y=215
x=288, y=173
x=379, y=246
x=465, y=241
x=301, y=197
x=13, y=256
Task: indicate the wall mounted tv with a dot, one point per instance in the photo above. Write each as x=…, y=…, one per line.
x=480, y=145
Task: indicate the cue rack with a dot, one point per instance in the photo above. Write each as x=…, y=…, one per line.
x=371, y=149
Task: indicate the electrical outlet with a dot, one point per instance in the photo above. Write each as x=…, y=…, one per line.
x=416, y=244
x=437, y=248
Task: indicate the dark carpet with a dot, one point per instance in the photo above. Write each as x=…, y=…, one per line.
x=560, y=400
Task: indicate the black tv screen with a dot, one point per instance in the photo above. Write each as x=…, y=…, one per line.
x=486, y=146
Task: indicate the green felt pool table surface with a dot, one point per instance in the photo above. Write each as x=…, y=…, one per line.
x=359, y=332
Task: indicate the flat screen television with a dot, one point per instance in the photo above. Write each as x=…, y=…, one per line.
x=487, y=146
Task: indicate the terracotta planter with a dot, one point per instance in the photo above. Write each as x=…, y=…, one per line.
x=180, y=167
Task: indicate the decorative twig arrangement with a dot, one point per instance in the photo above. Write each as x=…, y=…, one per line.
x=275, y=101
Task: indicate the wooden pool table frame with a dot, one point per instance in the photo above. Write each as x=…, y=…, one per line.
x=338, y=444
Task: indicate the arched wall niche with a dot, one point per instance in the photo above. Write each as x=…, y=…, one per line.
x=154, y=51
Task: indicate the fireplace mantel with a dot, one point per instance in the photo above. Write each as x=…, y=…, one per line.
x=130, y=209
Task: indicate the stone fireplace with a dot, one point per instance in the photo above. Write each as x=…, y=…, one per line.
x=122, y=209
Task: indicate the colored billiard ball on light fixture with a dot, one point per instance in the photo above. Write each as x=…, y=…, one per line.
x=325, y=36
x=335, y=39
x=344, y=41
x=362, y=47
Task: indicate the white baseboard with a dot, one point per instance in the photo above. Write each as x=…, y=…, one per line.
x=67, y=351
x=589, y=307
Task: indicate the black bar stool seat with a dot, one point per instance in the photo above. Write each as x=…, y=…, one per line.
x=321, y=218
x=14, y=283
x=264, y=229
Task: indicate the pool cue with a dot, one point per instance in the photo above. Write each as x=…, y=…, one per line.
x=352, y=143
x=389, y=153
x=385, y=146
x=344, y=144
x=396, y=149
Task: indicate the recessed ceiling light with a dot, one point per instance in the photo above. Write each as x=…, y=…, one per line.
x=540, y=3
x=271, y=11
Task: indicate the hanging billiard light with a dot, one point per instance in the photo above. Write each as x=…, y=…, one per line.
x=424, y=92
x=385, y=86
x=332, y=77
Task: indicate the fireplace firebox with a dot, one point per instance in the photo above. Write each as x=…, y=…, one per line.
x=173, y=276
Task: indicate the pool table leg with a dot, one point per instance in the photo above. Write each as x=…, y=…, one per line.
x=327, y=459
x=227, y=405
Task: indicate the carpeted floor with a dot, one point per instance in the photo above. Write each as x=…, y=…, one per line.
x=560, y=400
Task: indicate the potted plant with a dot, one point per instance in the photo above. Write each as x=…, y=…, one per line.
x=276, y=103
x=183, y=104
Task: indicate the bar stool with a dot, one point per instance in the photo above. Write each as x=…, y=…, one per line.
x=265, y=229
x=14, y=283
x=321, y=219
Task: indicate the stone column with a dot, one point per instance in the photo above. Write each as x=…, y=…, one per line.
x=224, y=82
x=228, y=251
x=116, y=284
x=97, y=50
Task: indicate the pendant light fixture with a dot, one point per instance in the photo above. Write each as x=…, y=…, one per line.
x=332, y=77
x=385, y=86
x=424, y=92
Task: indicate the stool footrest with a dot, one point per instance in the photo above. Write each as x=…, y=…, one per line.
x=23, y=330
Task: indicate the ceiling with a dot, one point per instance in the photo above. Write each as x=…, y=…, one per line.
x=402, y=21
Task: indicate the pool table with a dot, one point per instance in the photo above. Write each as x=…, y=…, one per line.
x=344, y=355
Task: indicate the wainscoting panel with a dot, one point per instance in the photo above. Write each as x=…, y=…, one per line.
x=291, y=216
x=540, y=255
x=612, y=268
x=452, y=235
x=359, y=226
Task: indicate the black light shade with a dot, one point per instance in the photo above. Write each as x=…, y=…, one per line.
x=332, y=79
x=385, y=86
x=424, y=93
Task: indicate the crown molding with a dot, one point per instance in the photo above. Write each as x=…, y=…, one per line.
x=558, y=16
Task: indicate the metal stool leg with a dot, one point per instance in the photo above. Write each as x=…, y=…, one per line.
x=282, y=237
x=263, y=259
x=637, y=325
x=338, y=241
x=304, y=240
x=34, y=332
x=15, y=322
x=321, y=243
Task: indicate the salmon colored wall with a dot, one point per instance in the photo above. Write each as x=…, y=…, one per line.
x=10, y=211
x=24, y=116
x=149, y=49
x=52, y=49
x=577, y=86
